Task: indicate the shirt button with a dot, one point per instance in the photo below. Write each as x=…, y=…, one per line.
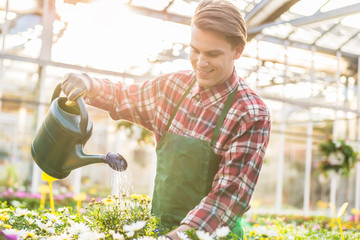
x=192, y=114
x=197, y=97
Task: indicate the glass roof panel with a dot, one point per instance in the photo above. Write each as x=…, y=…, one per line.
x=353, y=46
x=305, y=35
x=184, y=8
x=281, y=31
x=156, y=5
x=303, y=7
x=352, y=21
x=335, y=4
x=336, y=37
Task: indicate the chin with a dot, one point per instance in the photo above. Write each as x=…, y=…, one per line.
x=203, y=85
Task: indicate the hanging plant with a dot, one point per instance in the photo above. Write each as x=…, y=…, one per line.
x=340, y=157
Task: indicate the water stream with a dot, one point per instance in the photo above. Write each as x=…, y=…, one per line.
x=121, y=183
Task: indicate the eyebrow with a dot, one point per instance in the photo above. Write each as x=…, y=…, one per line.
x=211, y=51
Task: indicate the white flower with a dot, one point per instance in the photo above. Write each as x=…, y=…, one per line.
x=16, y=203
x=91, y=236
x=19, y=233
x=117, y=236
x=183, y=236
x=163, y=238
x=77, y=228
x=45, y=227
x=52, y=217
x=63, y=209
x=10, y=231
x=22, y=233
x=29, y=220
x=50, y=230
x=54, y=238
x=41, y=225
x=337, y=143
x=71, y=222
x=130, y=234
x=34, y=213
x=21, y=212
x=60, y=237
x=222, y=231
x=202, y=235
x=264, y=230
x=146, y=238
x=133, y=227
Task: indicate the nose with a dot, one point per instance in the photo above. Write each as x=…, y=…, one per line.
x=202, y=61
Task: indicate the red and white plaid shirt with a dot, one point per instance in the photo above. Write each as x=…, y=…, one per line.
x=242, y=140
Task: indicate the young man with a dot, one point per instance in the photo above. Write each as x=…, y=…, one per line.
x=211, y=129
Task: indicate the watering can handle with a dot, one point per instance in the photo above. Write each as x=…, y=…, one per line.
x=84, y=117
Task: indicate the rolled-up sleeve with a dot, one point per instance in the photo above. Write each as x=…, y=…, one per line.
x=135, y=102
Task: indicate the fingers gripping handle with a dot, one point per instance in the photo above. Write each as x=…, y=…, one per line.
x=115, y=161
x=84, y=117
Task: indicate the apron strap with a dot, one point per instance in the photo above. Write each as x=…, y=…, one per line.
x=178, y=105
x=224, y=112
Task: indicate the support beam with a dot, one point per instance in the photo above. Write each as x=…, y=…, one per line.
x=348, y=40
x=42, y=62
x=256, y=10
x=324, y=33
x=352, y=57
x=163, y=15
x=272, y=12
x=318, y=17
x=309, y=144
x=281, y=158
x=335, y=178
x=357, y=185
x=45, y=55
x=4, y=30
x=306, y=104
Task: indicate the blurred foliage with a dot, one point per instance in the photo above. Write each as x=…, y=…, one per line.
x=132, y=131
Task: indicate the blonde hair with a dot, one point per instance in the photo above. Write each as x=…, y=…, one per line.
x=223, y=17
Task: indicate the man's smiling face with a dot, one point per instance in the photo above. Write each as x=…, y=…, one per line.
x=212, y=57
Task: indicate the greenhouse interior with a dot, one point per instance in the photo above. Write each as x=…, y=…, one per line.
x=302, y=58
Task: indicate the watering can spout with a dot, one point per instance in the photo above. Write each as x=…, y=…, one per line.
x=80, y=159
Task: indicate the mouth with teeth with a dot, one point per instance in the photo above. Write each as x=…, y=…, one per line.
x=203, y=74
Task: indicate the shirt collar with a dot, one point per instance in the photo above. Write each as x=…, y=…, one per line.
x=212, y=95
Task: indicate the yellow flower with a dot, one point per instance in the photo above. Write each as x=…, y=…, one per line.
x=252, y=233
x=30, y=235
x=4, y=217
x=7, y=226
x=135, y=196
x=108, y=201
x=5, y=210
x=146, y=198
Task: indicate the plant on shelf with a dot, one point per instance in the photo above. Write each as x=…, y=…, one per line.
x=340, y=157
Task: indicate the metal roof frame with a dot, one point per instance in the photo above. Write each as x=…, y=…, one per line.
x=318, y=17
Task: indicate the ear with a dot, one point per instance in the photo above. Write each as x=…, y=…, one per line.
x=238, y=51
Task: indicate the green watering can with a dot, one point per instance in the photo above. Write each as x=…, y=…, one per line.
x=57, y=147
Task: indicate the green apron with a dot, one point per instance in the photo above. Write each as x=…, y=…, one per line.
x=185, y=171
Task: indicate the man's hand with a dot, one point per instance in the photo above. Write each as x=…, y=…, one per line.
x=173, y=234
x=76, y=85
